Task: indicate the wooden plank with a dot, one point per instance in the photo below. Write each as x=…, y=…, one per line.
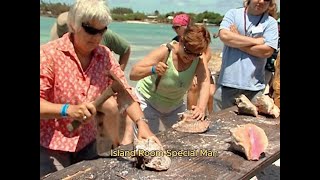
x=220, y=164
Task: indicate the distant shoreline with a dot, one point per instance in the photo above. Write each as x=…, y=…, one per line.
x=136, y=22
x=133, y=21
x=126, y=21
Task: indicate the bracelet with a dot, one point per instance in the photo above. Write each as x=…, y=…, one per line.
x=153, y=70
x=64, y=108
x=142, y=118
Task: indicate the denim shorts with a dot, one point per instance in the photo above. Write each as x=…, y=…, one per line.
x=224, y=97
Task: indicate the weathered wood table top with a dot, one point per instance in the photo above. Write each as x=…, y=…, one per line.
x=207, y=155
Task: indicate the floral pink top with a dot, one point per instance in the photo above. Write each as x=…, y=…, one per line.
x=62, y=80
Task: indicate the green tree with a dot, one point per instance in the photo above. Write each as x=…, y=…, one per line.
x=54, y=8
x=169, y=14
x=123, y=14
x=213, y=18
x=121, y=10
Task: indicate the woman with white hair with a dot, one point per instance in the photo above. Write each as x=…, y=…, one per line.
x=72, y=76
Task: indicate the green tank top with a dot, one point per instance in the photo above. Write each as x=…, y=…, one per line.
x=171, y=89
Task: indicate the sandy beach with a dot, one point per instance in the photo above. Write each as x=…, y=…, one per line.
x=215, y=62
x=271, y=172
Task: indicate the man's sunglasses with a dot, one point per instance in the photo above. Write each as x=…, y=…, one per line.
x=93, y=31
x=187, y=51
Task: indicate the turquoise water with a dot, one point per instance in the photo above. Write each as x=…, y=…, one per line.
x=143, y=38
x=45, y=26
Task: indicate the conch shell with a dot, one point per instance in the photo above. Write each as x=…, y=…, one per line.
x=249, y=139
x=245, y=106
x=190, y=125
x=150, y=154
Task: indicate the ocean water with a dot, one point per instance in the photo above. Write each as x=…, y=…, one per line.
x=143, y=38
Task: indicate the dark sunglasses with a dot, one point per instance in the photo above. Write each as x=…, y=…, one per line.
x=93, y=31
x=187, y=51
x=176, y=27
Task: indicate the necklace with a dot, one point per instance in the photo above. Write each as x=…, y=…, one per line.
x=245, y=21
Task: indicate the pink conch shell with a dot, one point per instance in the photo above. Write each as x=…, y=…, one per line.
x=250, y=139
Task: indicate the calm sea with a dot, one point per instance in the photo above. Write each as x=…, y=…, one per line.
x=143, y=38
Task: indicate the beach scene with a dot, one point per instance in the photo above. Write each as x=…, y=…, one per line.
x=144, y=36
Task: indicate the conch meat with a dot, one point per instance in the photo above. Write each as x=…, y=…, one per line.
x=187, y=124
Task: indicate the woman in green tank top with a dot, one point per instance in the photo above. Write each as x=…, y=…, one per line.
x=165, y=76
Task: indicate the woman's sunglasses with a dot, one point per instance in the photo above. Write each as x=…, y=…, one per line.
x=93, y=31
x=175, y=27
x=187, y=51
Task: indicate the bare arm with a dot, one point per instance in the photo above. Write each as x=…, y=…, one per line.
x=236, y=40
x=261, y=51
x=203, y=79
x=207, y=54
x=50, y=110
x=135, y=113
x=204, y=82
x=123, y=59
x=143, y=67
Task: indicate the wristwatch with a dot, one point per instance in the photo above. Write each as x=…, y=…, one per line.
x=142, y=118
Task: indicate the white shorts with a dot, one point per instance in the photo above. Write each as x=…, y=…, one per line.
x=159, y=121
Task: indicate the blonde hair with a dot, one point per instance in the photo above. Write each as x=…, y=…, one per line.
x=86, y=10
x=273, y=9
x=197, y=37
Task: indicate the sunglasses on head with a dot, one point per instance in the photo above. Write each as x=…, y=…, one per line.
x=93, y=31
x=187, y=51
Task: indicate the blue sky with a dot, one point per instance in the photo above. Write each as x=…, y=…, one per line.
x=164, y=6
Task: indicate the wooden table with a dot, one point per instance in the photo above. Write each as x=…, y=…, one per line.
x=218, y=163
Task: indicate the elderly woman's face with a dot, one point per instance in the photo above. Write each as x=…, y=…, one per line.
x=90, y=34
